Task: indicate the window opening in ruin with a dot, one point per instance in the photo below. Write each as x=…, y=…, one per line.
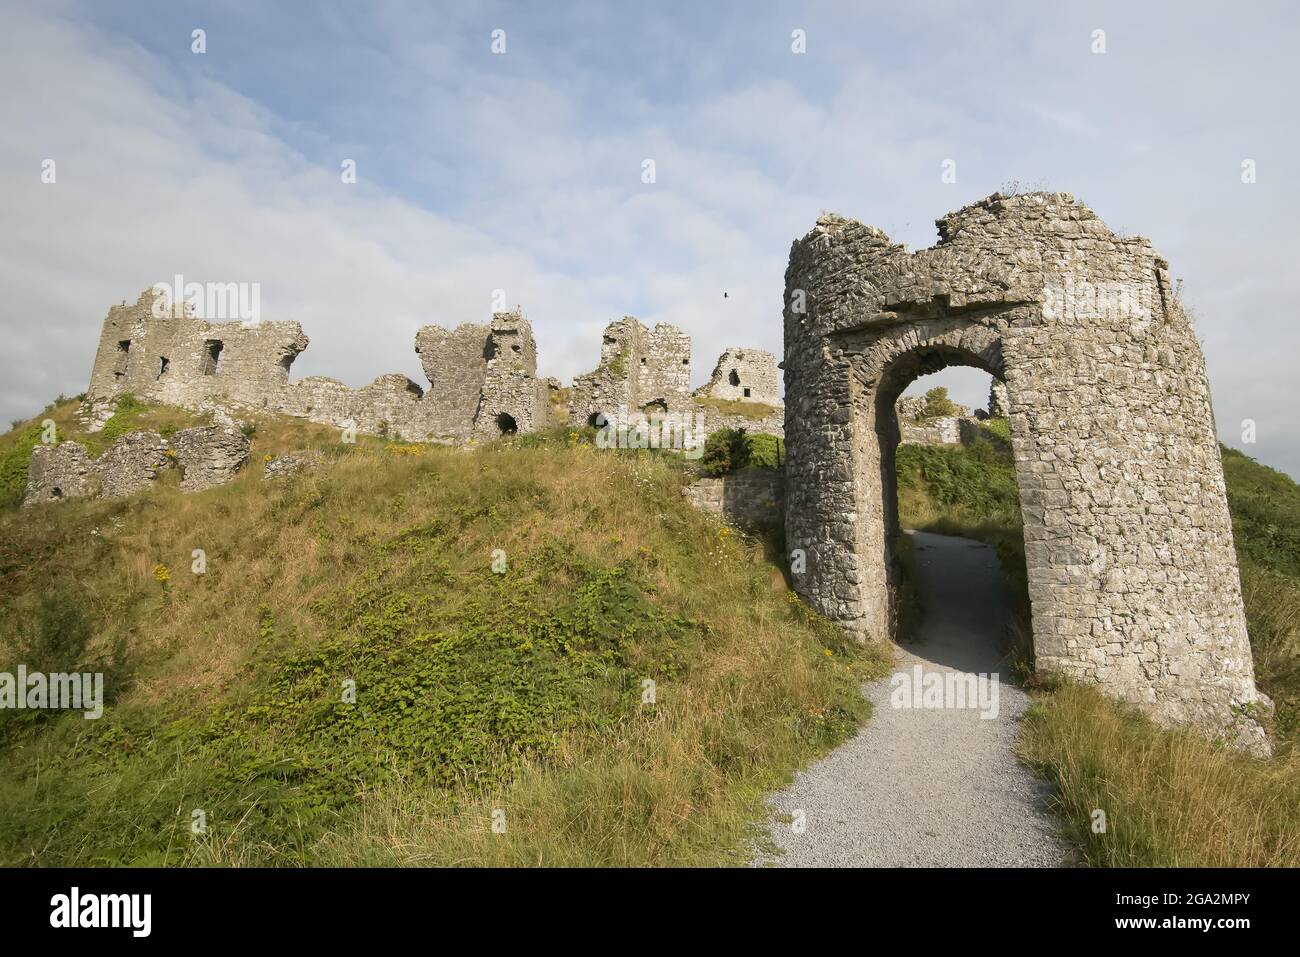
x=123, y=350
x=643, y=360
x=163, y=362
x=506, y=423
x=287, y=361
x=597, y=420
x=212, y=356
x=734, y=378
x=56, y=492
x=747, y=393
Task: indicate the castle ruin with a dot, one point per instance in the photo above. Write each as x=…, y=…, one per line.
x=648, y=371
x=1132, y=573
x=483, y=378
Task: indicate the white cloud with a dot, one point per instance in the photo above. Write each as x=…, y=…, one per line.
x=522, y=172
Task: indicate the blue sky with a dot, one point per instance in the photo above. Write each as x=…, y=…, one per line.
x=522, y=171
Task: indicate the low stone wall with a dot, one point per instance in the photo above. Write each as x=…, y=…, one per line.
x=748, y=498
x=292, y=464
x=946, y=430
x=207, y=456
x=714, y=420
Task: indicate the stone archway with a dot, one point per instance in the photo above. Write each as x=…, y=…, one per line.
x=1132, y=573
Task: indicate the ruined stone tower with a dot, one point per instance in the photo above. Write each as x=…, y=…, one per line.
x=744, y=375
x=1132, y=574
x=640, y=369
x=649, y=371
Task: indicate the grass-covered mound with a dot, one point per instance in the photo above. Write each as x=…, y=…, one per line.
x=1171, y=797
x=352, y=681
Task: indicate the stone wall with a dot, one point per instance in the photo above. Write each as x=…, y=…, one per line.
x=643, y=370
x=477, y=374
x=770, y=424
x=1132, y=574
x=183, y=361
x=748, y=375
x=749, y=498
x=640, y=370
x=207, y=456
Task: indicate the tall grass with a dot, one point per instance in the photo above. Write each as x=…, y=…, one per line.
x=1170, y=797
x=474, y=690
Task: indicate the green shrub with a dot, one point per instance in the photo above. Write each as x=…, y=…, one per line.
x=937, y=404
x=998, y=427
x=724, y=451
x=764, y=451
x=14, y=463
x=1265, y=506
x=975, y=484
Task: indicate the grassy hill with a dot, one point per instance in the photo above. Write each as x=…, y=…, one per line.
x=1171, y=797
x=522, y=692
x=349, y=681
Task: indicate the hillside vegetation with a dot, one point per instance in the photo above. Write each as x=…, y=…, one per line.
x=351, y=681
x=1170, y=797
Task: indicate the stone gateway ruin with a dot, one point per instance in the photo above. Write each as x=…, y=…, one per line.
x=1132, y=574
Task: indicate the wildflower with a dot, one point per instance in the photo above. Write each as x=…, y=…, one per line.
x=162, y=574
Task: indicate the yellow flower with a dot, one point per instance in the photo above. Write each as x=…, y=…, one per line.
x=828, y=653
x=162, y=573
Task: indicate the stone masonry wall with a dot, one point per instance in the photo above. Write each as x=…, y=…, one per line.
x=176, y=359
x=644, y=370
x=749, y=498
x=747, y=375
x=207, y=456
x=1132, y=574
x=639, y=368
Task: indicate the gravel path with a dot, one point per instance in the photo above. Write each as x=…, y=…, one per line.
x=921, y=787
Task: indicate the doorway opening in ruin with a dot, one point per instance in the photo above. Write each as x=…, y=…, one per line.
x=162, y=366
x=734, y=378
x=506, y=423
x=947, y=468
x=597, y=420
x=212, y=356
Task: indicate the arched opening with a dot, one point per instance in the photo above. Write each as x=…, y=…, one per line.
x=734, y=378
x=507, y=424
x=597, y=420
x=953, y=537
